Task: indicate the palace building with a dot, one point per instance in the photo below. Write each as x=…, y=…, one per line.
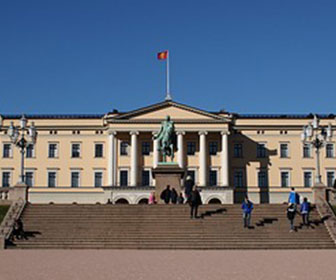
x=93, y=158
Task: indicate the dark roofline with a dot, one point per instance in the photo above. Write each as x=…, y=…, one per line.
x=53, y=116
x=284, y=116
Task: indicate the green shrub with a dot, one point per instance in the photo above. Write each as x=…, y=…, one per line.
x=3, y=211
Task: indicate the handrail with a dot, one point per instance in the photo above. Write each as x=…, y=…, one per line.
x=14, y=212
x=325, y=210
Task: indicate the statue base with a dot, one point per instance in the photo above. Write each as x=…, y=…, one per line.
x=165, y=174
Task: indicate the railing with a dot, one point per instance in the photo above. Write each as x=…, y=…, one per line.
x=323, y=201
x=4, y=193
x=6, y=228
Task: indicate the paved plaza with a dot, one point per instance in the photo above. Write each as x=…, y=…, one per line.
x=169, y=264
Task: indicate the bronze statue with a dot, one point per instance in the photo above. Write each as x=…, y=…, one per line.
x=167, y=139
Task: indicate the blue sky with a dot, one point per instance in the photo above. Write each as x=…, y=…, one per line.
x=272, y=56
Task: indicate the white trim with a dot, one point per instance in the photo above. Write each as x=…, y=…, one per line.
x=57, y=149
x=10, y=150
x=289, y=177
x=75, y=170
x=128, y=175
x=52, y=170
x=150, y=175
x=10, y=176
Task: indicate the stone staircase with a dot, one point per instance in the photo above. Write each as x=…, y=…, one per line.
x=166, y=227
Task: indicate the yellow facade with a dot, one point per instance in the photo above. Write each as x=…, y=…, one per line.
x=112, y=129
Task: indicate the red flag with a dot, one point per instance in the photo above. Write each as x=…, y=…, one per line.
x=162, y=55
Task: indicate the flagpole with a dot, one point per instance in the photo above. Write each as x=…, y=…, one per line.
x=168, y=97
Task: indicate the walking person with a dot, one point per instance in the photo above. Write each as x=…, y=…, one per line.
x=152, y=198
x=304, y=210
x=291, y=212
x=166, y=195
x=294, y=197
x=247, y=207
x=195, y=201
x=188, y=187
x=180, y=199
x=174, y=196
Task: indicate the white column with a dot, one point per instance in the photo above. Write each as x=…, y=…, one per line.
x=180, y=152
x=225, y=159
x=112, y=159
x=203, y=159
x=134, y=157
x=155, y=151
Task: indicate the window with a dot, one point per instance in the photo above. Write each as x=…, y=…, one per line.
x=191, y=148
x=75, y=150
x=145, y=148
x=52, y=153
x=7, y=151
x=6, y=179
x=98, y=179
x=261, y=150
x=330, y=178
x=98, y=150
x=284, y=179
x=213, y=148
x=284, y=150
x=213, y=177
x=238, y=178
x=238, y=150
x=51, y=179
x=124, y=148
x=30, y=151
x=330, y=150
x=306, y=151
x=29, y=178
x=262, y=179
x=145, y=178
x=307, y=179
x=192, y=174
x=123, y=178
x=75, y=179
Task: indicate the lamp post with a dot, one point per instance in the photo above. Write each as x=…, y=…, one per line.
x=17, y=136
x=317, y=136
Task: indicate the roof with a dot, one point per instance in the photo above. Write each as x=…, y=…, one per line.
x=53, y=116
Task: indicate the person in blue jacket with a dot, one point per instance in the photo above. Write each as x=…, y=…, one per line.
x=247, y=207
x=304, y=210
x=294, y=197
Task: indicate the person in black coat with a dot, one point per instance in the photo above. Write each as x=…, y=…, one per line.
x=166, y=195
x=194, y=201
x=173, y=196
x=189, y=183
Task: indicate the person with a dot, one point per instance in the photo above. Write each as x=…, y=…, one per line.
x=247, y=207
x=109, y=201
x=180, y=199
x=188, y=187
x=291, y=211
x=304, y=210
x=174, y=196
x=152, y=199
x=294, y=197
x=18, y=231
x=195, y=201
x=166, y=195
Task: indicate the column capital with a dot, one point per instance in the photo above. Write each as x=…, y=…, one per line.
x=112, y=132
x=202, y=132
x=225, y=132
x=134, y=132
x=180, y=132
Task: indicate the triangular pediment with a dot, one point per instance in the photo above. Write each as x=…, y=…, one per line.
x=175, y=110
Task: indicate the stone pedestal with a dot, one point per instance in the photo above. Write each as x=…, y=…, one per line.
x=19, y=191
x=319, y=193
x=167, y=174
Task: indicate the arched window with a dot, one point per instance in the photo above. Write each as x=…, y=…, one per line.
x=214, y=201
x=122, y=201
x=143, y=201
